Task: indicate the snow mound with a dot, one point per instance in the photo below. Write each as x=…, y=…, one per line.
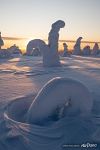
x=65, y=98
x=62, y=94
x=16, y=132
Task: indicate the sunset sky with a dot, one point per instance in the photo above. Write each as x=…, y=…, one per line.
x=32, y=19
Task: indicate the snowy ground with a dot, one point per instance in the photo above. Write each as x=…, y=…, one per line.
x=25, y=75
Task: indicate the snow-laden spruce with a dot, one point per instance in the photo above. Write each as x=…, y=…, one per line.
x=50, y=50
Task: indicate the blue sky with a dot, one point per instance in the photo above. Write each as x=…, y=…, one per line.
x=33, y=18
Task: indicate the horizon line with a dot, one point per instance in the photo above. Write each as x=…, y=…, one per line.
x=69, y=41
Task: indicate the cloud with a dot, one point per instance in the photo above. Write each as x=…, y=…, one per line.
x=69, y=41
x=13, y=38
x=72, y=41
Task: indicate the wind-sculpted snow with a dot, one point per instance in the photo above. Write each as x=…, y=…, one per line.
x=1, y=41
x=53, y=134
x=50, y=50
x=95, y=50
x=86, y=51
x=58, y=93
x=59, y=130
x=65, y=52
x=77, y=47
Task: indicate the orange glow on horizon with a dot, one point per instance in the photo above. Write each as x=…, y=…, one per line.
x=22, y=43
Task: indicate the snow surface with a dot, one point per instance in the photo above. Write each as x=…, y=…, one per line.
x=23, y=77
